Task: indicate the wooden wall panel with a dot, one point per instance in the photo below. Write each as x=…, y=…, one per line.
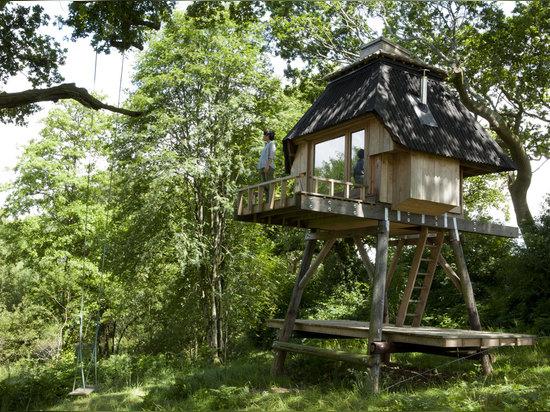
x=402, y=178
x=380, y=176
x=386, y=178
x=380, y=140
x=299, y=165
x=425, y=183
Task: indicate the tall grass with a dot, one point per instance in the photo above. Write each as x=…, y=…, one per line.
x=411, y=382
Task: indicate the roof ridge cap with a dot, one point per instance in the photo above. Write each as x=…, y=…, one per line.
x=379, y=54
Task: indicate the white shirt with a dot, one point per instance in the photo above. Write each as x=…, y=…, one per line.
x=268, y=152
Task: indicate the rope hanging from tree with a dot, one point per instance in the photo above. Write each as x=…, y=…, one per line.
x=79, y=367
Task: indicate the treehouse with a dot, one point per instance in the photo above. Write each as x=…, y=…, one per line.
x=383, y=152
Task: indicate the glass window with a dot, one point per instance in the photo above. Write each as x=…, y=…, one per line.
x=329, y=158
x=358, y=156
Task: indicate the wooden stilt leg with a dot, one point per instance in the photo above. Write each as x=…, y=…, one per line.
x=286, y=331
x=377, y=305
x=468, y=293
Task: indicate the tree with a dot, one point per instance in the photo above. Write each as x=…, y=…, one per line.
x=121, y=24
x=57, y=219
x=208, y=93
x=498, y=64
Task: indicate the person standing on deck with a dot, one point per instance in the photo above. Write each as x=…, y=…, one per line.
x=358, y=172
x=266, y=165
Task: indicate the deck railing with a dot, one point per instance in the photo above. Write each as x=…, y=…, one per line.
x=274, y=194
x=337, y=188
x=280, y=193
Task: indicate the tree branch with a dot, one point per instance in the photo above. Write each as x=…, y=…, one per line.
x=63, y=91
x=496, y=121
x=147, y=23
x=518, y=184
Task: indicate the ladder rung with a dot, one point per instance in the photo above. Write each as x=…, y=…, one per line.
x=415, y=301
x=419, y=287
x=411, y=314
x=423, y=274
x=431, y=245
x=426, y=260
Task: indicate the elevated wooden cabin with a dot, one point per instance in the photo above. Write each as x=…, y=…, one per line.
x=419, y=144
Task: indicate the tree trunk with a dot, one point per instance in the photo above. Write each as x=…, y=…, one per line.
x=213, y=341
x=519, y=182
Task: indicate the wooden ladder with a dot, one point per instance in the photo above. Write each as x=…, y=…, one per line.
x=420, y=278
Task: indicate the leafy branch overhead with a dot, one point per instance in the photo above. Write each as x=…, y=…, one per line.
x=26, y=50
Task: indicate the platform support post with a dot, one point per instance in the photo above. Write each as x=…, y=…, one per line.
x=468, y=293
x=286, y=332
x=378, y=297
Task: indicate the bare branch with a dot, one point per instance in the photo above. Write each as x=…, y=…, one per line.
x=542, y=164
x=538, y=117
x=63, y=91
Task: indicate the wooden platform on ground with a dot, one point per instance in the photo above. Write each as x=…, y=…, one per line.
x=421, y=336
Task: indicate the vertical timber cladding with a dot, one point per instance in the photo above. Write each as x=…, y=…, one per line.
x=425, y=183
x=411, y=181
x=380, y=161
x=300, y=164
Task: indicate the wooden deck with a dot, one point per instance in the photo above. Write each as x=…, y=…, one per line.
x=346, y=209
x=422, y=335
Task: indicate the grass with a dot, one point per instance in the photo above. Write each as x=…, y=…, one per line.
x=413, y=382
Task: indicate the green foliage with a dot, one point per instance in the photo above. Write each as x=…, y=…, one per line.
x=202, y=275
x=520, y=293
x=120, y=25
x=483, y=194
x=24, y=387
x=53, y=235
x=340, y=288
x=319, y=34
x=26, y=50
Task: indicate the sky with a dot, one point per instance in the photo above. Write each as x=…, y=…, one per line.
x=80, y=67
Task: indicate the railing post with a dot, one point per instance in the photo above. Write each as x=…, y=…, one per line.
x=284, y=183
x=250, y=205
x=271, y=199
x=240, y=203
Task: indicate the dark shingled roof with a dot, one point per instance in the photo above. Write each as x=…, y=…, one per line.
x=391, y=91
